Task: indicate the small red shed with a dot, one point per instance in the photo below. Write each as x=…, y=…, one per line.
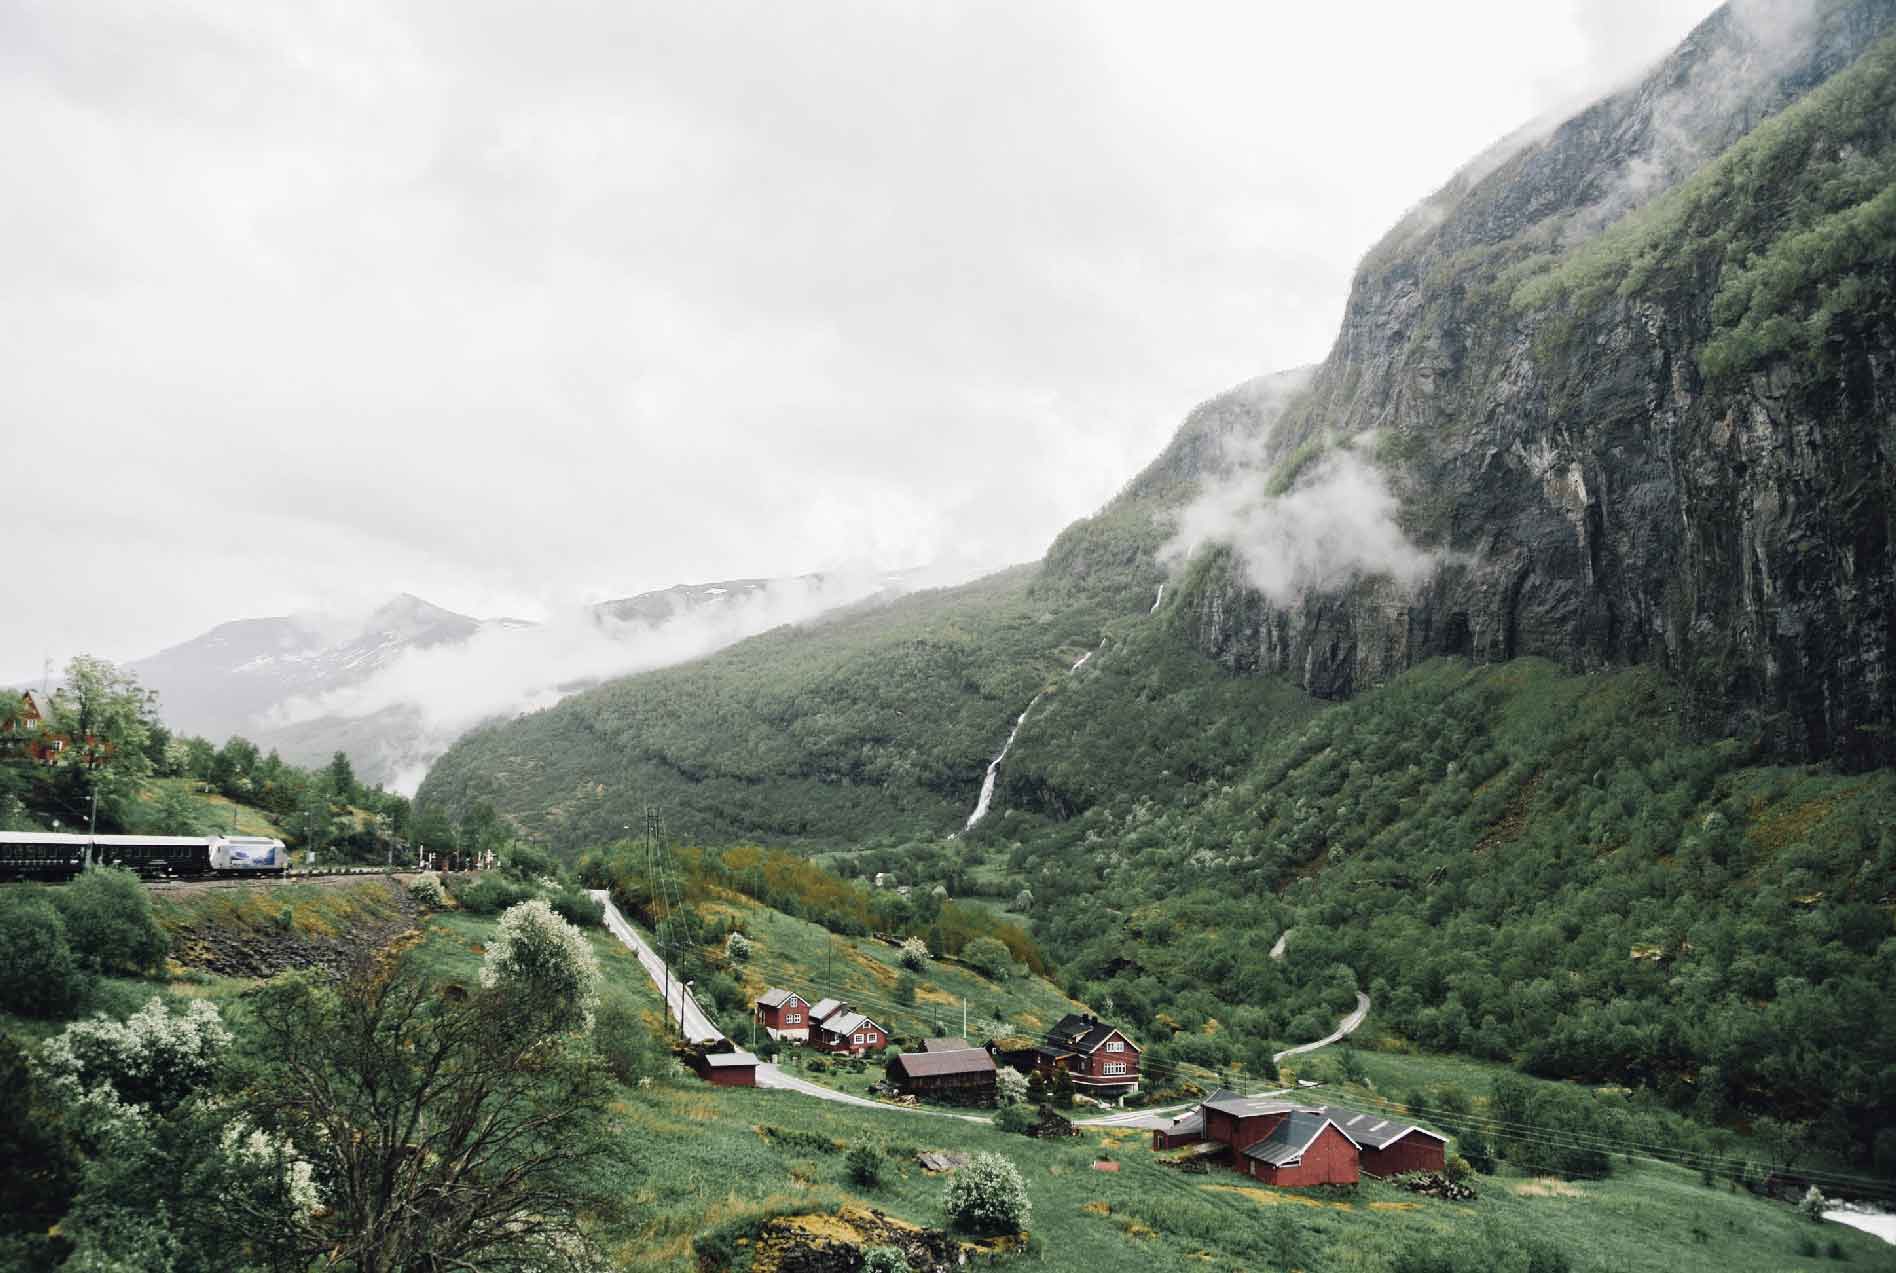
x=727, y=1069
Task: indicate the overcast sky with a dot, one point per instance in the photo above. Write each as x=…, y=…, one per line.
x=516, y=305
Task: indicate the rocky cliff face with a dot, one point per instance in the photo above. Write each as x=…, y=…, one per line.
x=1633, y=383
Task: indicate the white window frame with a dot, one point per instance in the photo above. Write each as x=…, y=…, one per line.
x=856, y=1039
x=1115, y=1046
x=1115, y=1067
x=792, y=1018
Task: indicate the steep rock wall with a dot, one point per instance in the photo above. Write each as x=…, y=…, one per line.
x=1543, y=361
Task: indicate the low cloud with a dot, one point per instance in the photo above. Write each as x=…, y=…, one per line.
x=1337, y=523
x=438, y=693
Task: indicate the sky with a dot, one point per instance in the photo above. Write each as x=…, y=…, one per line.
x=519, y=306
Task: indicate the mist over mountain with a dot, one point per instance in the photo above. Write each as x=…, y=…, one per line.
x=395, y=686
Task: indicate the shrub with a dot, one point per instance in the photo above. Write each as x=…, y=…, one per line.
x=988, y=956
x=487, y=894
x=884, y=1259
x=1805, y=1245
x=38, y=975
x=630, y=1051
x=109, y=922
x=1833, y=1250
x=1457, y=1169
x=737, y=948
x=1010, y=1086
x=579, y=908
x=1811, y=1205
x=914, y=954
x=864, y=1166
x=426, y=889
x=1017, y=1119
x=988, y=1196
x=151, y=1059
x=546, y=962
x=905, y=988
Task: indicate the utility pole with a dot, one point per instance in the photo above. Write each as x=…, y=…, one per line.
x=92, y=821
x=964, y=1016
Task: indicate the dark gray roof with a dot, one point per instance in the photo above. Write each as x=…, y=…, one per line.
x=1374, y=1131
x=1286, y=1144
x=775, y=998
x=730, y=1060
x=825, y=1008
x=1226, y=1101
x=945, y=1045
x=1081, y=1033
x=935, y=1064
x=1191, y=1124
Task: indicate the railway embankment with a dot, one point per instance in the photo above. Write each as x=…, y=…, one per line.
x=259, y=930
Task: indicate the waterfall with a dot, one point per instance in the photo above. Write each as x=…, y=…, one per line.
x=994, y=767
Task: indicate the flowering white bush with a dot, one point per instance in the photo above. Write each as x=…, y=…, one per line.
x=1010, y=1086
x=152, y=1059
x=540, y=955
x=738, y=947
x=989, y=1196
x=250, y=1146
x=914, y=954
x=426, y=889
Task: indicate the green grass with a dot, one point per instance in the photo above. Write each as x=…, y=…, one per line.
x=695, y=1157
x=798, y=955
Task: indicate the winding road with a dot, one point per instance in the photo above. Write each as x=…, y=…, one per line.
x=1346, y=1026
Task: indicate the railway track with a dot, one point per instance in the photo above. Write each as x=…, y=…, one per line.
x=294, y=877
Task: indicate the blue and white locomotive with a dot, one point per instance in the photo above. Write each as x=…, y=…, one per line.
x=47, y=855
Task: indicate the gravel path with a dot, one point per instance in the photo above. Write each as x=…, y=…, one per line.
x=1346, y=1026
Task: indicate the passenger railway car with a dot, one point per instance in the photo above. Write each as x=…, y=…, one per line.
x=45, y=855
x=42, y=855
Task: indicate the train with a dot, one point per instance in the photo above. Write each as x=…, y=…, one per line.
x=50, y=856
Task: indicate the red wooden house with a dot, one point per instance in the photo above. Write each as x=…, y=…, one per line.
x=849, y=1033
x=31, y=730
x=784, y=1013
x=1099, y=1058
x=1390, y=1146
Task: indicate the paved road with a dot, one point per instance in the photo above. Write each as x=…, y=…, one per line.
x=768, y=1075
x=1344, y=1027
x=1134, y=1116
x=697, y=1026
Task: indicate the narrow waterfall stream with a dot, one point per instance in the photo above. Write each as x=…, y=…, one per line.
x=994, y=766
x=1156, y=600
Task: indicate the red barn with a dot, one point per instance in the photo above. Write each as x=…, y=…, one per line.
x=1390, y=1146
x=1240, y=1122
x=784, y=1013
x=1306, y=1147
x=850, y=1033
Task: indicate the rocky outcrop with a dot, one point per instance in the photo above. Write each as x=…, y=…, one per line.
x=1613, y=458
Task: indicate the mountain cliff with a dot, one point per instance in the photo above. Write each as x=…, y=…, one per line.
x=1630, y=382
